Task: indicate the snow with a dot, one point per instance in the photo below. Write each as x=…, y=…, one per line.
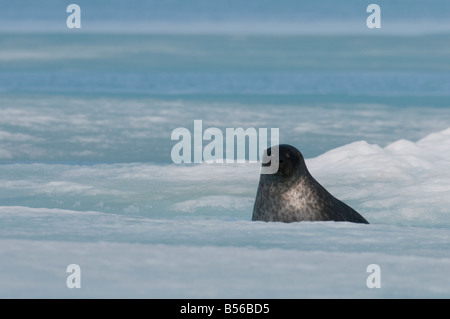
x=143, y=230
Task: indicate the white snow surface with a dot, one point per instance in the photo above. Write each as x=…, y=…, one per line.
x=185, y=231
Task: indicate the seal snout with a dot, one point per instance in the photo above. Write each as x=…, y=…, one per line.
x=267, y=162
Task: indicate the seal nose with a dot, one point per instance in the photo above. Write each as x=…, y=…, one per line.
x=268, y=154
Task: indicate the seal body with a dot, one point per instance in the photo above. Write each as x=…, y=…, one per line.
x=292, y=194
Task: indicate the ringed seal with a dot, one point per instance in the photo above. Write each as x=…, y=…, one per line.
x=292, y=194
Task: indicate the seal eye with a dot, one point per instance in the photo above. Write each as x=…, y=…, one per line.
x=287, y=155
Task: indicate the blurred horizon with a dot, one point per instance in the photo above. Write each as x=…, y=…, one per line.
x=114, y=90
x=229, y=17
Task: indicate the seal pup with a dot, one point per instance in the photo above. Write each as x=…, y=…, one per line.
x=292, y=194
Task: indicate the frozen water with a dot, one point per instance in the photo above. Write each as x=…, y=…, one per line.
x=85, y=170
x=146, y=230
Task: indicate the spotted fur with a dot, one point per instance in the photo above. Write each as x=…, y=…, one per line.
x=293, y=195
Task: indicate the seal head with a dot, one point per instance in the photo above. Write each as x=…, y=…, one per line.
x=292, y=194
